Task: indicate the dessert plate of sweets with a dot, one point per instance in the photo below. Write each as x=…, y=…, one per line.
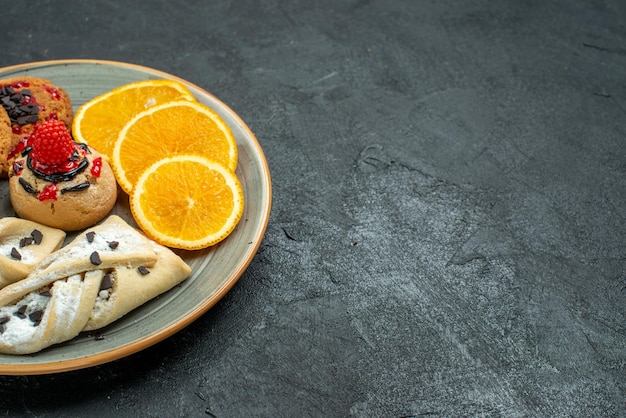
x=131, y=201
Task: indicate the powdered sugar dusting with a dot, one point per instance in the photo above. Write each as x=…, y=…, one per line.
x=20, y=328
x=27, y=253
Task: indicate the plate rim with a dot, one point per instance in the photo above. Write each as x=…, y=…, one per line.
x=133, y=347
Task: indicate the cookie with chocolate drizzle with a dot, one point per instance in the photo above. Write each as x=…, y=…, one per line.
x=26, y=102
x=60, y=183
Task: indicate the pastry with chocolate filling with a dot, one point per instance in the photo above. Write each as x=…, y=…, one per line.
x=60, y=183
x=28, y=101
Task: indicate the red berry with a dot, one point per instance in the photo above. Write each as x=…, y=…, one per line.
x=51, y=143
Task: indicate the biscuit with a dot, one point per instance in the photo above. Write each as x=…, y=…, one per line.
x=26, y=101
x=77, y=203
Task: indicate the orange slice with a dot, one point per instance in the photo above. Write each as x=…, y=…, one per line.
x=99, y=121
x=170, y=129
x=187, y=202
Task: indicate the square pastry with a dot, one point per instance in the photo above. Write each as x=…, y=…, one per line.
x=24, y=244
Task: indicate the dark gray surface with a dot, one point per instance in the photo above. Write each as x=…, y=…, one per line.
x=448, y=232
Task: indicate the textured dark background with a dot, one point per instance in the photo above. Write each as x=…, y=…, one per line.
x=448, y=231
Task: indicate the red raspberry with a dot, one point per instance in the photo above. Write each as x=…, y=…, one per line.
x=51, y=143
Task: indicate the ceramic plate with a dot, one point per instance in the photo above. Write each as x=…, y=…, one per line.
x=214, y=271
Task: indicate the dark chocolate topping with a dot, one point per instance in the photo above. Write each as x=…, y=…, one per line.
x=95, y=258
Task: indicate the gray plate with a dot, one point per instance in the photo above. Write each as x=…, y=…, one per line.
x=215, y=270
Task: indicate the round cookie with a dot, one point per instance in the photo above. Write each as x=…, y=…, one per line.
x=69, y=205
x=60, y=183
x=27, y=101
